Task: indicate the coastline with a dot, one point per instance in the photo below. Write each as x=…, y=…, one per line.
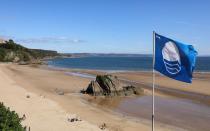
x=185, y=93
x=130, y=78
x=43, y=81
x=139, y=65
x=143, y=77
x=111, y=71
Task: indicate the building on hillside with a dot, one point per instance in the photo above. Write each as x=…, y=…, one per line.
x=2, y=41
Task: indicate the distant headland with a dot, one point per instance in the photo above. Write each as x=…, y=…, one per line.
x=13, y=52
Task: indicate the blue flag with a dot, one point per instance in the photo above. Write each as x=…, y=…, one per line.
x=174, y=59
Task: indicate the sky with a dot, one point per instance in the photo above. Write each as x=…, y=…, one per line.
x=105, y=26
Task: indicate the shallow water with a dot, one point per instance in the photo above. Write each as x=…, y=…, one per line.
x=84, y=75
x=173, y=111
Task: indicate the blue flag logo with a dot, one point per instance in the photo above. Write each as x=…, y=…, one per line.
x=174, y=59
x=171, y=58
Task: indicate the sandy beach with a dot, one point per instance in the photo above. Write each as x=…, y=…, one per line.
x=42, y=114
x=104, y=65
x=47, y=111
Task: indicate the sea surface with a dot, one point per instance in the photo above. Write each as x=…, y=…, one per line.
x=118, y=63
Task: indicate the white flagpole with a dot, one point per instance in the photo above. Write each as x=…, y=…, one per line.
x=153, y=85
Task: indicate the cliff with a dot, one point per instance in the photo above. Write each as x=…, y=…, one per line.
x=12, y=52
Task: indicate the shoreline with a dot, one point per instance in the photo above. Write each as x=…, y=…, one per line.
x=91, y=74
x=204, y=71
x=202, y=98
x=43, y=81
x=99, y=70
x=113, y=71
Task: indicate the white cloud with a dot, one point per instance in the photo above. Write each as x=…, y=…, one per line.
x=49, y=40
x=4, y=37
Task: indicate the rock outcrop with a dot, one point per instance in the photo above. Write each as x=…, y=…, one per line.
x=109, y=85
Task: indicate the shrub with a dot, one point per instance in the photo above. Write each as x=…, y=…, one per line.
x=9, y=120
x=2, y=54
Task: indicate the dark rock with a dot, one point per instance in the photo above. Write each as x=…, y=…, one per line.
x=73, y=118
x=109, y=85
x=103, y=126
x=23, y=118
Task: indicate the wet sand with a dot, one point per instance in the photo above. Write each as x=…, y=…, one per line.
x=183, y=108
x=173, y=111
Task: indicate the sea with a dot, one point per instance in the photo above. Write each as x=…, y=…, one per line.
x=118, y=63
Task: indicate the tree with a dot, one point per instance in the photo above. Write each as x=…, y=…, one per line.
x=11, y=41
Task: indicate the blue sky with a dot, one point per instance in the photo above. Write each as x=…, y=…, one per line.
x=105, y=26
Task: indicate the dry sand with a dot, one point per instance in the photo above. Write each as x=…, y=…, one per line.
x=42, y=114
x=47, y=111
